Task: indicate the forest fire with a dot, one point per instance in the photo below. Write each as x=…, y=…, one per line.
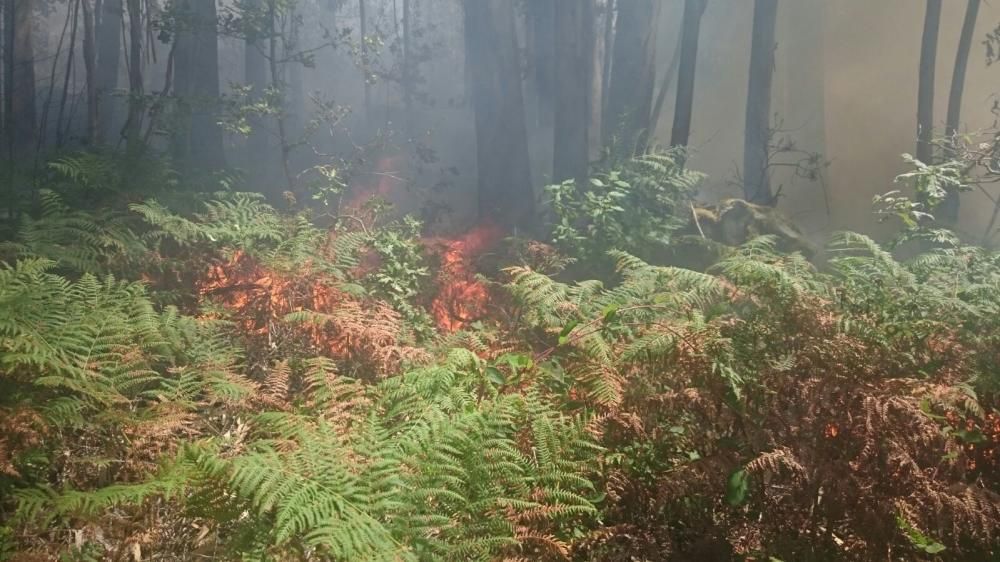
x=461, y=297
x=260, y=295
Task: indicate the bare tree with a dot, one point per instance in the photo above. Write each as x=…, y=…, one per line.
x=494, y=77
x=574, y=63
x=756, y=177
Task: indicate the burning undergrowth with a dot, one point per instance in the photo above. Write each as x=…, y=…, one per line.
x=312, y=309
x=307, y=306
x=461, y=297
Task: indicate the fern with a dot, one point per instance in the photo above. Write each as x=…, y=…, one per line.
x=77, y=241
x=428, y=469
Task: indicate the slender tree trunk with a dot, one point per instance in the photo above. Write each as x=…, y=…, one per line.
x=23, y=126
x=90, y=68
x=133, y=126
x=365, y=63
x=596, y=85
x=70, y=59
x=609, y=47
x=504, y=176
x=255, y=75
x=157, y=107
x=925, y=92
x=574, y=62
x=690, y=32
x=278, y=86
x=633, y=73
x=408, y=71
x=295, y=102
x=4, y=32
x=109, y=47
x=8, y=77
x=948, y=212
x=542, y=21
x=756, y=175
x=665, y=83
x=196, y=74
x=47, y=106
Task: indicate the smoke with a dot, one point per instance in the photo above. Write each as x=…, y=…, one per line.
x=845, y=87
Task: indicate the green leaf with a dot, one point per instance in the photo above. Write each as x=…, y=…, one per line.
x=933, y=548
x=495, y=376
x=519, y=360
x=564, y=334
x=973, y=437
x=610, y=312
x=738, y=488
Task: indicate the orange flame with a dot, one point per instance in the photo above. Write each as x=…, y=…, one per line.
x=461, y=298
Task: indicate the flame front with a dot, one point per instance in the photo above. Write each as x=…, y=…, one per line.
x=461, y=298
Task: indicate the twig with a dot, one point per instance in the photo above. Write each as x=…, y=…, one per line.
x=697, y=223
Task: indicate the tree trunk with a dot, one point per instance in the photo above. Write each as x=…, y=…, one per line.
x=90, y=69
x=925, y=92
x=255, y=75
x=690, y=32
x=109, y=46
x=47, y=105
x=22, y=126
x=574, y=62
x=665, y=83
x=295, y=99
x=196, y=84
x=278, y=86
x=494, y=76
x=365, y=63
x=409, y=72
x=62, y=132
x=948, y=212
x=133, y=126
x=606, y=64
x=542, y=21
x=633, y=73
x=756, y=175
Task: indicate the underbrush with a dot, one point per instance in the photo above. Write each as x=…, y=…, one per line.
x=216, y=379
